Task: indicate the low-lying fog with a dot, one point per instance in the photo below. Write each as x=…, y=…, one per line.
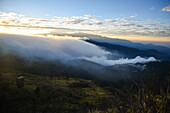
x=60, y=48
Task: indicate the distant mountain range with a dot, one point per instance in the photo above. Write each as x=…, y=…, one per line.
x=123, y=42
x=116, y=41
x=126, y=48
x=129, y=52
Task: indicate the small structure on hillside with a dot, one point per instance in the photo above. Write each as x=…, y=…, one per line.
x=20, y=81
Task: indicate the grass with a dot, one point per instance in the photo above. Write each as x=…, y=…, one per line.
x=56, y=94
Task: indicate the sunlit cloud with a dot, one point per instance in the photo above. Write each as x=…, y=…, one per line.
x=133, y=16
x=110, y=20
x=25, y=30
x=21, y=24
x=166, y=8
x=65, y=22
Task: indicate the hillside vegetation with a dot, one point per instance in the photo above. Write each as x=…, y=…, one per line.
x=24, y=92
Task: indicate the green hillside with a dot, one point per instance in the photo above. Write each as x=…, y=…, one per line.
x=45, y=94
x=22, y=91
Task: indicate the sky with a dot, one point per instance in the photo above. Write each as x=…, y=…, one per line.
x=136, y=20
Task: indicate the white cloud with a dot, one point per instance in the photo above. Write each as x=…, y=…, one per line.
x=154, y=20
x=138, y=26
x=133, y=16
x=124, y=26
x=74, y=22
x=166, y=8
x=152, y=8
x=98, y=23
x=48, y=48
x=125, y=19
x=130, y=24
x=150, y=24
x=47, y=15
x=104, y=61
x=109, y=20
x=61, y=49
x=135, y=20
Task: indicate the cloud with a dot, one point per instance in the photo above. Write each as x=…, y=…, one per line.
x=112, y=25
x=98, y=23
x=138, y=26
x=104, y=61
x=166, y=8
x=60, y=49
x=86, y=23
x=130, y=24
x=89, y=18
x=154, y=20
x=48, y=48
x=109, y=20
x=133, y=16
x=152, y=8
x=74, y=22
x=151, y=25
x=133, y=20
x=63, y=49
x=10, y=15
x=125, y=19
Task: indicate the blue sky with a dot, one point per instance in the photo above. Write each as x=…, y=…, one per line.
x=103, y=8
x=140, y=14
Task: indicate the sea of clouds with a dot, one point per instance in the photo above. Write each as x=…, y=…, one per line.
x=104, y=61
x=60, y=48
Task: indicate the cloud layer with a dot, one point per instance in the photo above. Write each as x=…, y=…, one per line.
x=48, y=48
x=166, y=8
x=129, y=26
x=104, y=61
x=60, y=48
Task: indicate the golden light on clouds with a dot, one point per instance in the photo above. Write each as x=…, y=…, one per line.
x=23, y=30
x=123, y=28
x=33, y=32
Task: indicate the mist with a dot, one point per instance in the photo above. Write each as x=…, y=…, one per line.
x=104, y=61
x=48, y=48
x=60, y=48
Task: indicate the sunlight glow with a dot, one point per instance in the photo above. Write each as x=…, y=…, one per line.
x=142, y=38
x=23, y=31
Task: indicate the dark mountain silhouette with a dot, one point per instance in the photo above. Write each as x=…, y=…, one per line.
x=129, y=52
x=116, y=41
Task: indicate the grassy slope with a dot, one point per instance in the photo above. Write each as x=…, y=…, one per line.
x=56, y=94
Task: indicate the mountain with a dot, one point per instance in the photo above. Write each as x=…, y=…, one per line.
x=121, y=42
x=129, y=52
